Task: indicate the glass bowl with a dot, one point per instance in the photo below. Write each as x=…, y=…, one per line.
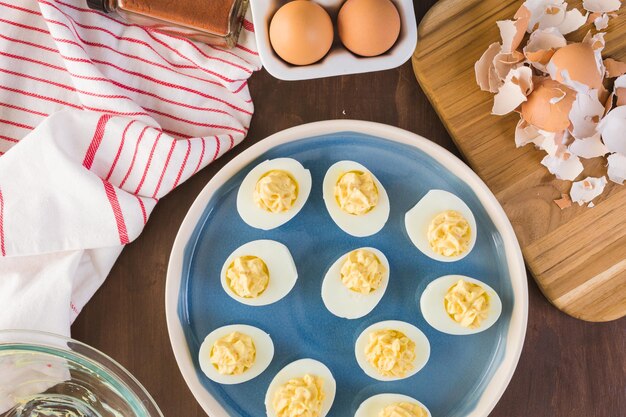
x=43, y=374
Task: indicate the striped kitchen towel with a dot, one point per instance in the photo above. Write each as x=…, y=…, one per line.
x=99, y=119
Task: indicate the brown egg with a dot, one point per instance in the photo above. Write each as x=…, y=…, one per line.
x=547, y=108
x=368, y=27
x=301, y=32
x=580, y=62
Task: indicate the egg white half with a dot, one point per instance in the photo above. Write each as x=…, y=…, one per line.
x=359, y=226
x=298, y=369
x=417, y=220
x=264, y=353
x=376, y=403
x=345, y=303
x=434, y=310
x=422, y=348
x=262, y=219
x=280, y=265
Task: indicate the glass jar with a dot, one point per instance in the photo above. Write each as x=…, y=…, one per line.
x=215, y=22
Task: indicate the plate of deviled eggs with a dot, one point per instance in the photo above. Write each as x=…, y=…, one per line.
x=346, y=269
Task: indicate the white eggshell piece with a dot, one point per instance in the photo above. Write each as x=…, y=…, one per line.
x=376, y=403
x=586, y=190
x=612, y=128
x=345, y=303
x=572, y=20
x=280, y=265
x=358, y=226
x=602, y=6
x=422, y=348
x=617, y=168
x=260, y=218
x=434, y=310
x=562, y=168
x=585, y=109
x=591, y=147
x=264, y=353
x=517, y=85
x=417, y=220
x=298, y=369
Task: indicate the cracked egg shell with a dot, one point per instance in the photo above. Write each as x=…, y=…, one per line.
x=579, y=60
x=549, y=105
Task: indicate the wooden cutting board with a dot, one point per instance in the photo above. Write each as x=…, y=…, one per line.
x=577, y=255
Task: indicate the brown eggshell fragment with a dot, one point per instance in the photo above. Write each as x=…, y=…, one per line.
x=541, y=46
x=614, y=68
x=512, y=31
x=563, y=202
x=368, y=27
x=579, y=62
x=486, y=76
x=505, y=62
x=549, y=105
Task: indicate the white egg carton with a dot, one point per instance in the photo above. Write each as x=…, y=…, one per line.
x=338, y=61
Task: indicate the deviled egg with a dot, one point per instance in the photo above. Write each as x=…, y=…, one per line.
x=355, y=283
x=273, y=192
x=303, y=388
x=391, y=350
x=456, y=304
x=441, y=226
x=355, y=199
x=258, y=273
x=392, y=405
x=235, y=354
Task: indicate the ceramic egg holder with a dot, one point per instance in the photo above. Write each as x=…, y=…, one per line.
x=338, y=61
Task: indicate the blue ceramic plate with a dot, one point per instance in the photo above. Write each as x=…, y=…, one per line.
x=465, y=375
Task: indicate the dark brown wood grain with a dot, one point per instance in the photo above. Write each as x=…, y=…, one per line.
x=568, y=367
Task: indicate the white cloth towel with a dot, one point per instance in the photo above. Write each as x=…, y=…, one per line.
x=99, y=119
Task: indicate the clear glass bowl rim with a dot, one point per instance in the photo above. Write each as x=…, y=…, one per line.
x=101, y=363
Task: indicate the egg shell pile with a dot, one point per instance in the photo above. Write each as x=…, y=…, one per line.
x=558, y=88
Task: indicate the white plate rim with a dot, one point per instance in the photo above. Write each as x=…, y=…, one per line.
x=517, y=270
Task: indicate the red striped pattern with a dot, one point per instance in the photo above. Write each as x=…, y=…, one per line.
x=217, y=148
x=182, y=166
x=145, y=171
x=12, y=123
x=167, y=162
x=96, y=140
x=143, y=209
x=117, y=212
x=132, y=162
x=201, y=156
x=119, y=150
x=55, y=55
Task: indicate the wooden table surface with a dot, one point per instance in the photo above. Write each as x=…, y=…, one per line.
x=568, y=367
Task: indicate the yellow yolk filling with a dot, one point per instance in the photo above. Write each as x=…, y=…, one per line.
x=300, y=397
x=276, y=191
x=391, y=352
x=356, y=192
x=467, y=304
x=233, y=354
x=248, y=276
x=403, y=409
x=449, y=233
x=362, y=271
